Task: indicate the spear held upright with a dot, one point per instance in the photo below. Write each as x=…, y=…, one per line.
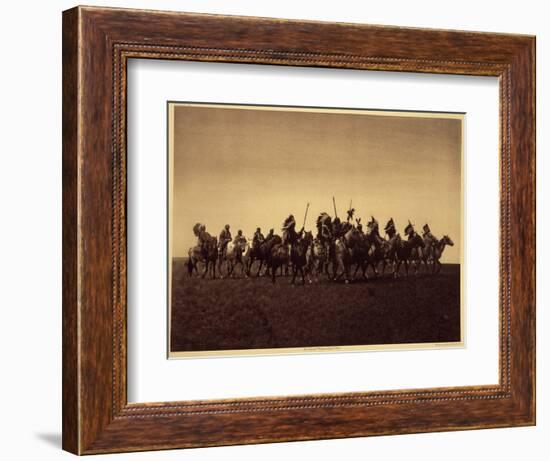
x=305, y=216
x=334, y=205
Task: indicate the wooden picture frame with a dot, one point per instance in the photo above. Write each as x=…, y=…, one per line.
x=97, y=43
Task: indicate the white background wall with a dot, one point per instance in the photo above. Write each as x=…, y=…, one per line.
x=30, y=230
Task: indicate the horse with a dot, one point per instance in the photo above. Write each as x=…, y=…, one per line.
x=358, y=249
x=389, y=246
x=317, y=256
x=261, y=252
x=341, y=260
x=234, y=256
x=298, y=255
x=206, y=253
x=404, y=250
x=378, y=248
x=194, y=256
x=437, y=251
x=278, y=257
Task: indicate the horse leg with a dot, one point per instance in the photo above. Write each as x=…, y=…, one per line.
x=396, y=269
x=373, y=265
x=302, y=272
x=335, y=268
x=357, y=267
x=346, y=271
x=364, y=267
x=205, y=269
x=294, y=271
x=260, y=268
x=325, y=269
x=426, y=261
x=273, y=272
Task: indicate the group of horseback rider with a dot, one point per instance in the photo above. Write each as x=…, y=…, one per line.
x=330, y=232
x=225, y=238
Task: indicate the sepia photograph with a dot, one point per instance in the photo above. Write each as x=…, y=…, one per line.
x=313, y=229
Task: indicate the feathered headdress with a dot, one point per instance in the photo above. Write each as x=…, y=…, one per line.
x=288, y=221
x=409, y=228
x=323, y=219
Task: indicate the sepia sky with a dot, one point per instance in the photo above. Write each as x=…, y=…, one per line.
x=251, y=167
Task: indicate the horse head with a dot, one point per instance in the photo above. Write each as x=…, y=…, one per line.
x=447, y=240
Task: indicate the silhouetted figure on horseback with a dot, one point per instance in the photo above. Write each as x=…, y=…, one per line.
x=298, y=256
x=261, y=249
x=258, y=238
x=225, y=238
x=350, y=213
x=290, y=235
x=239, y=239
x=377, y=246
x=234, y=254
x=390, y=256
x=321, y=246
x=205, y=251
x=429, y=241
x=404, y=249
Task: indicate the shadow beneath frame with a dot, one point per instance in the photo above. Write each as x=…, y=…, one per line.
x=51, y=438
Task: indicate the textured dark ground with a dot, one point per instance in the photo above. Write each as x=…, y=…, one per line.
x=254, y=314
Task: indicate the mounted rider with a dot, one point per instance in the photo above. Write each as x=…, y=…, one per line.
x=258, y=238
x=224, y=239
x=427, y=233
x=289, y=231
x=324, y=228
x=409, y=231
x=390, y=228
x=415, y=239
x=202, y=236
x=239, y=239
x=374, y=227
x=359, y=226
x=429, y=239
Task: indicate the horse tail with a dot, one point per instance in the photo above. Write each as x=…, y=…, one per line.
x=189, y=267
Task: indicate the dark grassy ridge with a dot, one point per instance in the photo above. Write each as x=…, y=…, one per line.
x=254, y=314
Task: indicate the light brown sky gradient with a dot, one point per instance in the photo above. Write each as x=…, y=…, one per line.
x=248, y=167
